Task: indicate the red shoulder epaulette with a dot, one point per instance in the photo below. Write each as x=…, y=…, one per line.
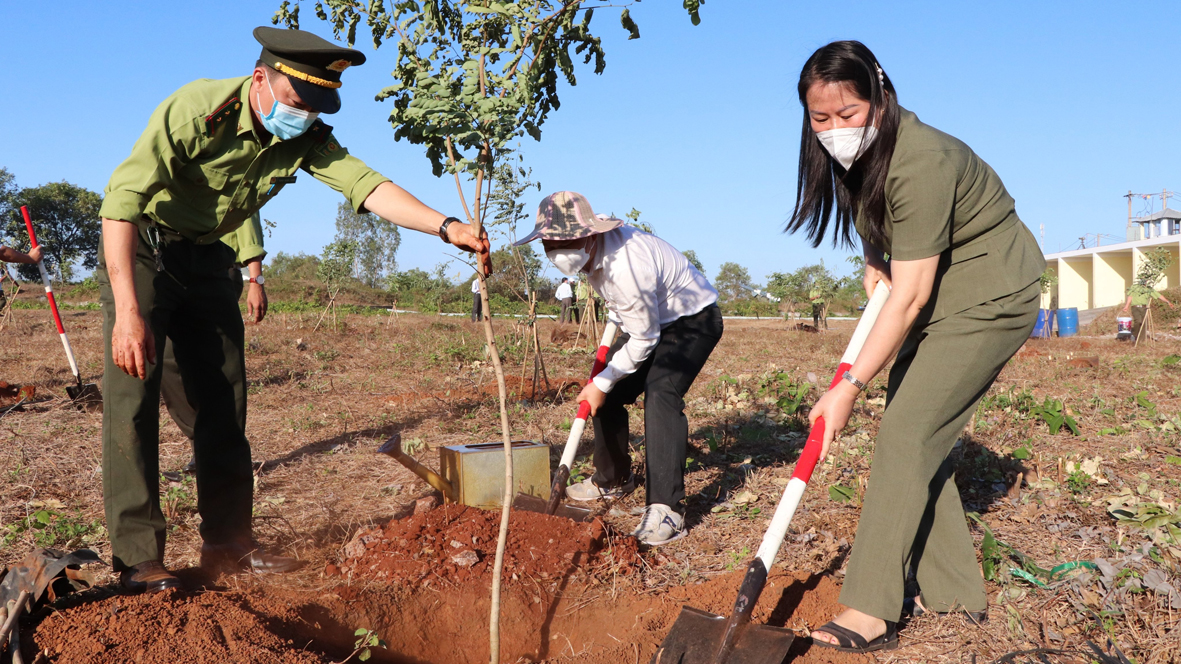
x=320, y=132
x=224, y=112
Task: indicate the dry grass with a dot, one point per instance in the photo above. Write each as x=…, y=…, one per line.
x=319, y=409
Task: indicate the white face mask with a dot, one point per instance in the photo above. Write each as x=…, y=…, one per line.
x=848, y=143
x=568, y=260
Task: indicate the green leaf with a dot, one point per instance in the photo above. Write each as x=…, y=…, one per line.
x=360, y=631
x=989, y=554
x=1174, y=460
x=43, y=517
x=365, y=655
x=841, y=493
x=1022, y=453
x=1170, y=360
x=625, y=18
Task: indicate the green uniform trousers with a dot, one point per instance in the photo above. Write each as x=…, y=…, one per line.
x=912, y=517
x=193, y=303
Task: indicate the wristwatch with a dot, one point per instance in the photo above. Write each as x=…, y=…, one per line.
x=260, y=280
x=443, y=228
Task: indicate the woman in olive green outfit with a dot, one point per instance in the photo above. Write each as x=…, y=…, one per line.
x=963, y=272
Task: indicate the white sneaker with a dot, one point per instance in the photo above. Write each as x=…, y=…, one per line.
x=659, y=525
x=587, y=490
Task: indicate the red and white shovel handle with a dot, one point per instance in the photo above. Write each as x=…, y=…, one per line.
x=57, y=319
x=794, y=491
x=579, y=424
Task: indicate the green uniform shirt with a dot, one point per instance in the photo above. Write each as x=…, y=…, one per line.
x=943, y=200
x=1141, y=295
x=200, y=168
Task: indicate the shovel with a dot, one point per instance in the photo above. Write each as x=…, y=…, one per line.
x=84, y=395
x=25, y=582
x=557, y=491
x=700, y=637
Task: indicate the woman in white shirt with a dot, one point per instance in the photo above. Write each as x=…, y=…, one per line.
x=668, y=313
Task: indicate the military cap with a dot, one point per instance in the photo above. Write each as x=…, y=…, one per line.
x=567, y=215
x=312, y=64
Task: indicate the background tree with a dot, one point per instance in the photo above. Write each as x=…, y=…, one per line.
x=733, y=282
x=694, y=260
x=791, y=289
x=375, y=244
x=506, y=200
x=336, y=265
x=633, y=219
x=8, y=191
x=67, y=223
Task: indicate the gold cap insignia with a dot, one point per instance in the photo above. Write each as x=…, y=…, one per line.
x=339, y=66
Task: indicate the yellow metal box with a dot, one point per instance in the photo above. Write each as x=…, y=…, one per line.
x=476, y=472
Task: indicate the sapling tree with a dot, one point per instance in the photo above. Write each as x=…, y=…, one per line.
x=470, y=76
x=335, y=266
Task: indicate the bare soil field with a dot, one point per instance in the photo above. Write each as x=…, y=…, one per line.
x=321, y=403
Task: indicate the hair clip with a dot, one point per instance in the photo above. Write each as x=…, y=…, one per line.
x=881, y=74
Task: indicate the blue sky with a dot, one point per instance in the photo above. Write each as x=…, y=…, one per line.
x=698, y=127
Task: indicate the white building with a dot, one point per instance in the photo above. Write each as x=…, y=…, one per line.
x=1099, y=276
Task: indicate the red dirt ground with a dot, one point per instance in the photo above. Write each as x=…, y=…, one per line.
x=173, y=628
x=561, y=603
x=439, y=545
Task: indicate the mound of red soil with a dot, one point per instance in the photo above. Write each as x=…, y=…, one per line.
x=173, y=628
x=457, y=543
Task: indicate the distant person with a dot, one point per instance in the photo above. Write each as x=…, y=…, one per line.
x=1139, y=296
x=477, y=306
x=965, y=275
x=576, y=301
x=816, y=296
x=582, y=297
x=213, y=153
x=670, y=322
x=10, y=255
x=563, y=295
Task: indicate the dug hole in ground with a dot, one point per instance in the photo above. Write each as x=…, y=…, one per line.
x=322, y=403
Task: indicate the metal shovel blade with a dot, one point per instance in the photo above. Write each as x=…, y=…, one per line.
x=86, y=396
x=697, y=635
x=528, y=503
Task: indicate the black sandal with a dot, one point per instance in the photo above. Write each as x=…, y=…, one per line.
x=911, y=607
x=850, y=641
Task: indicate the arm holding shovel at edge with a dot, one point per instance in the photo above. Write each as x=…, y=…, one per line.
x=10, y=255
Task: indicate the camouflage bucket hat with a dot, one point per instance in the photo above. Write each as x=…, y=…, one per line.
x=567, y=215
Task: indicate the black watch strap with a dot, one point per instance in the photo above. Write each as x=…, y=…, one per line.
x=443, y=228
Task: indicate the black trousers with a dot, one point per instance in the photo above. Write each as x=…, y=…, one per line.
x=181, y=404
x=663, y=379
x=477, y=308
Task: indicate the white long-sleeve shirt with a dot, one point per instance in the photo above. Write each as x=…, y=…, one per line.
x=564, y=292
x=476, y=285
x=647, y=285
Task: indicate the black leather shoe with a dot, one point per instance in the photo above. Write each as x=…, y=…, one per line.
x=245, y=556
x=149, y=577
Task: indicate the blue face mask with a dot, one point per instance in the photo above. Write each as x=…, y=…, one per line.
x=285, y=122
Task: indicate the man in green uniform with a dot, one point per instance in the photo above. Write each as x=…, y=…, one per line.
x=816, y=296
x=213, y=153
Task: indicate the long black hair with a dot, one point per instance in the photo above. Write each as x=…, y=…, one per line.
x=823, y=188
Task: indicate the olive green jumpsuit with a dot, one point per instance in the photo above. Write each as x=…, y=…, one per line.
x=941, y=200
